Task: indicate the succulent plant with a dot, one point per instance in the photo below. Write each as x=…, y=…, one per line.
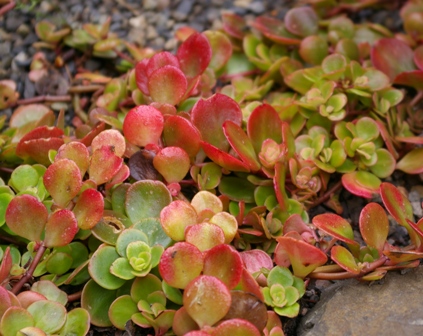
x=179, y=199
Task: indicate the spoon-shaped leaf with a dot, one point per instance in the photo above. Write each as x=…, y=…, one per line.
x=77, y=152
x=167, y=84
x=236, y=327
x=194, y=55
x=180, y=264
x=77, y=323
x=304, y=258
x=224, y=263
x=374, y=225
x=336, y=226
x=264, y=123
x=302, y=21
x=143, y=125
x=61, y=228
x=208, y=115
x=15, y=319
x=172, y=163
x=104, y=164
x=204, y=235
x=224, y=159
x=345, y=259
x=49, y=316
x=361, y=183
x=63, y=181
x=89, y=209
x=241, y=144
x=176, y=217
x=392, y=57
x=112, y=138
x=400, y=208
x=207, y=300
x=179, y=132
x=146, y=199
x=411, y=163
x=26, y=216
x=99, y=267
x=94, y=299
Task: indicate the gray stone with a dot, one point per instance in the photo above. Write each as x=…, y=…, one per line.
x=391, y=308
x=5, y=48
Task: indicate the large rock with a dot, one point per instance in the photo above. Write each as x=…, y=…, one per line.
x=392, y=308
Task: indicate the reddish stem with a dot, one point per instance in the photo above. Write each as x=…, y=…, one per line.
x=327, y=194
x=75, y=296
x=28, y=275
x=346, y=275
x=8, y=7
x=45, y=98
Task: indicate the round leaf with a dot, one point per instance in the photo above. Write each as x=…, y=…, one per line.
x=99, y=267
x=61, y=228
x=27, y=217
x=180, y=264
x=146, y=199
x=63, y=181
x=143, y=125
x=49, y=316
x=207, y=300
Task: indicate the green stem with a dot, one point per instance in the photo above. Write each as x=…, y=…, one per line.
x=31, y=269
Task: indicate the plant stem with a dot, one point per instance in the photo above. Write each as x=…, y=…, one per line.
x=31, y=269
x=45, y=98
x=74, y=296
x=327, y=194
x=84, y=88
x=8, y=7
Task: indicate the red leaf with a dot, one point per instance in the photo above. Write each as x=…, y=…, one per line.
x=208, y=115
x=304, y=258
x=6, y=265
x=374, y=225
x=392, y=57
x=63, y=181
x=264, y=123
x=167, y=85
x=89, y=209
x=194, y=55
x=37, y=143
x=336, y=226
x=160, y=60
x=180, y=264
x=26, y=216
x=104, y=165
x=179, y=132
x=223, y=159
x=61, y=228
x=143, y=125
x=224, y=263
x=241, y=144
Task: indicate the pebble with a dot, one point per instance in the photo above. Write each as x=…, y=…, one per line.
x=391, y=307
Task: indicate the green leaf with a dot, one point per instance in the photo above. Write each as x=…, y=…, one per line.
x=121, y=310
x=49, y=316
x=345, y=259
x=77, y=323
x=97, y=300
x=374, y=226
x=146, y=199
x=15, y=319
x=99, y=267
x=237, y=189
x=411, y=163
